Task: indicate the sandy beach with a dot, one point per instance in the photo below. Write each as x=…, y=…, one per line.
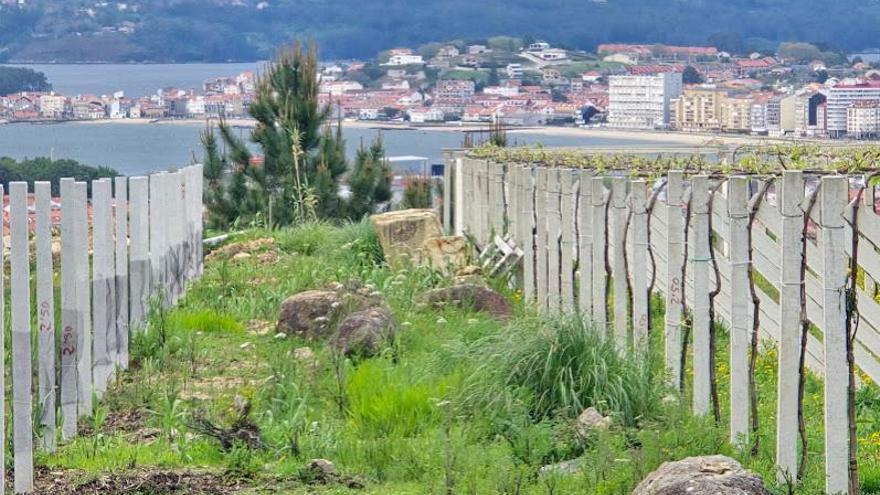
x=666, y=141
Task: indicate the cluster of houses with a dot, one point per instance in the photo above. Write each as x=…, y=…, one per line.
x=734, y=96
x=545, y=97
x=221, y=97
x=685, y=88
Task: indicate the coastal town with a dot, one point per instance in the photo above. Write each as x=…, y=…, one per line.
x=796, y=91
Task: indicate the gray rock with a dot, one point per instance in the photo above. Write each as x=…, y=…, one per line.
x=306, y=314
x=311, y=314
x=470, y=296
x=322, y=466
x=715, y=475
x=365, y=332
x=590, y=420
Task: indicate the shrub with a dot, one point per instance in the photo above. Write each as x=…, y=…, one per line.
x=557, y=367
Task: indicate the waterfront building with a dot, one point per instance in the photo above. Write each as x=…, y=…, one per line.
x=863, y=119
x=642, y=102
x=841, y=97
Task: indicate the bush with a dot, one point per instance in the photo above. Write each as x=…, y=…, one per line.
x=558, y=367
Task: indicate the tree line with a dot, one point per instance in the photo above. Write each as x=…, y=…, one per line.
x=188, y=30
x=46, y=169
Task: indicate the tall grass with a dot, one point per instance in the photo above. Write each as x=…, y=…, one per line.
x=558, y=367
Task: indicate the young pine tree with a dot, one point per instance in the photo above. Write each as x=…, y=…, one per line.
x=370, y=180
x=302, y=158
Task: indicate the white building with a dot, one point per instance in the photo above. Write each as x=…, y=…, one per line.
x=426, y=115
x=552, y=54
x=863, y=119
x=538, y=46
x=336, y=88
x=506, y=91
x=841, y=97
x=642, y=102
x=405, y=60
x=515, y=71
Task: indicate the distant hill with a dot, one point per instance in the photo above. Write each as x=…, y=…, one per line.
x=239, y=30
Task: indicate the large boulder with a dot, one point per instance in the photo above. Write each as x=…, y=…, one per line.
x=364, y=333
x=403, y=233
x=470, y=296
x=716, y=475
x=308, y=313
x=311, y=314
x=447, y=253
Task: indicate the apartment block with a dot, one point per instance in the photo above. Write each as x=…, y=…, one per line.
x=642, y=102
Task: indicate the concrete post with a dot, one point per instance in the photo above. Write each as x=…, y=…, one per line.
x=700, y=264
x=832, y=201
x=740, y=309
x=791, y=252
x=639, y=268
x=674, y=255
x=70, y=319
x=585, y=243
x=45, y=312
x=618, y=214
x=20, y=299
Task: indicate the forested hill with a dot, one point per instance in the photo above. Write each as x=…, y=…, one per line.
x=221, y=30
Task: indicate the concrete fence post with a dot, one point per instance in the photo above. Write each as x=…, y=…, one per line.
x=448, y=192
x=101, y=294
x=459, y=193
x=600, y=297
x=740, y=308
x=45, y=312
x=83, y=300
x=527, y=227
x=121, y=269
x=585, y=243
x=139, y=263
x=554, y=236
x=700, y=264
x=541, y=238
x=639, y=266
x=568, y=195
x=70, y=320
x=791, y=252
x=618, y=214
x=832, y=202
x=157, y=260
x=20, y=300
x=674, y=255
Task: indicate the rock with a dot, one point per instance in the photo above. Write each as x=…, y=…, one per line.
x=311, y=314
x=590, y=420
x=323, y=466
x=403, y=233
x=470, y=296
x=306, y=314
x=232, y=250
x=469, y=270
x=364, y=332
x=304, y=354
x=565, y=467
x=259, y=327
x=716, y=475
x=241, y=256
x=446, y=253
x=469, y=274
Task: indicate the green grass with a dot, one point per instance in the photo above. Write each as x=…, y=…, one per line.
x=460, y=404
